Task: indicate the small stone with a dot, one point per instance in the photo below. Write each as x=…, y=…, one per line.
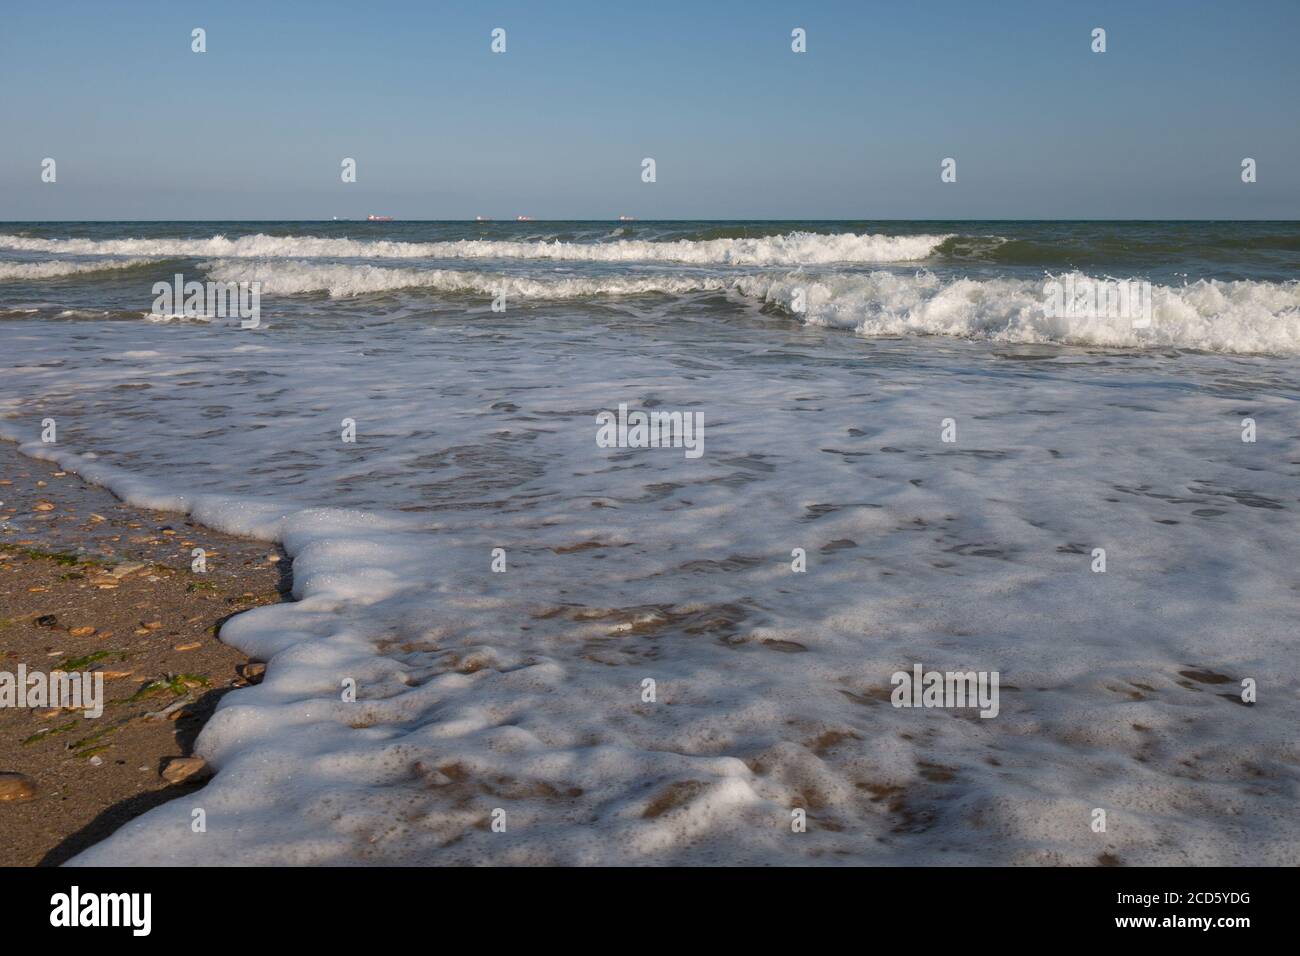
x=192, y=645
x=151, y=625
x=44, y=506
x=17, y=786
x=116, y=675
x=190, y=769
x=82, y=631
x=252, y=672
x=97, y=761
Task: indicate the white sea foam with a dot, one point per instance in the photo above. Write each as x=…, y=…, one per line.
x=58, y=268
x=164, y=317
x=523, y=691
x=279, y=277
x=792, y=249
x=1242, y=316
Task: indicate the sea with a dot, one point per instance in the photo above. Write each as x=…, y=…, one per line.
x=1063, y=456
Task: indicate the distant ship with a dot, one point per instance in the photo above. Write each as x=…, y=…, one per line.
x=482, y=218
x=523, y=218
x=627, y=218
x=373, y=218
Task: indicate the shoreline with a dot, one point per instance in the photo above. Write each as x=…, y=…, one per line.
x=93, y=585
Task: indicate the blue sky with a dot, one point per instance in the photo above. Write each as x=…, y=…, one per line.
x=739, y=126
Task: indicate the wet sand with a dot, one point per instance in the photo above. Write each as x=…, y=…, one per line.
x=90, y=584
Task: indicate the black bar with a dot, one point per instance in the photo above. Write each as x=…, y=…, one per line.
x=335, y=905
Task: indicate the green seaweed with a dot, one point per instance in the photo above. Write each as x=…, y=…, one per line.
x=77, y=663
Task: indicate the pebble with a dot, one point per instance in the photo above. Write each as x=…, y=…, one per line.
x=17, y=786
x=82, y=631
x=188, y=647
x=44, y=506
x=180, y=769
x=252, y=672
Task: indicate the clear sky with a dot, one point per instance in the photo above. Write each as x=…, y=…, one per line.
x=738, y=124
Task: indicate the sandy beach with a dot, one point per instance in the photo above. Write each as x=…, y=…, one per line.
x=90, y=584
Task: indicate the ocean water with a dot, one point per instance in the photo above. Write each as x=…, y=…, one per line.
x=825, y=359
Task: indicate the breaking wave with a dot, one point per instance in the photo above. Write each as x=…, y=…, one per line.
x=1209, y=315
x=57, y=268
x=793, y=249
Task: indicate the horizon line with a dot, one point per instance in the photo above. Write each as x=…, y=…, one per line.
x=758, y=219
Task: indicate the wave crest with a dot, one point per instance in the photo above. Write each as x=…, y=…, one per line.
x=792, y=249
x=57, y=268
x=1210, y=315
